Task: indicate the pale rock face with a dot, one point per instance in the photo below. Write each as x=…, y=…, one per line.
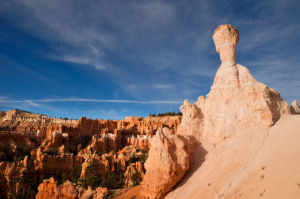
x=192, y=121
x=226, y=38
x=167, y=163
x=236, y=100
x=295, y=109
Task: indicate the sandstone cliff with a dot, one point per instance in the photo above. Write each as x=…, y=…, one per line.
x=169, y=159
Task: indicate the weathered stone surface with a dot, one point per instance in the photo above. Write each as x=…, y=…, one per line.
x=192, y=122
x=235, y=103
x=47, y=190
x=226, y=38
x=42, y=126
x=131, y=170
x=295, y=109
x=139, y=141
x=167, y=163
x=61, y=144
x=236, y=100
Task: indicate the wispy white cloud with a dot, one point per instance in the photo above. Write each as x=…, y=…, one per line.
x=34, y=102
x=82, y=61
x=163, y=86
x=163, y=41
x=88, y=33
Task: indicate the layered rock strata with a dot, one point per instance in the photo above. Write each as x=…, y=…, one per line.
x=44, y=126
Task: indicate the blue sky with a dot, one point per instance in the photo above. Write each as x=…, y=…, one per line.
x=109, y=59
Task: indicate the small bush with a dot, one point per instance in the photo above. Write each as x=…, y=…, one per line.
x=92, y=179
x=75, y=174
x=52, y=151
x=136, y=178
x=8, y=155
x=165, y=114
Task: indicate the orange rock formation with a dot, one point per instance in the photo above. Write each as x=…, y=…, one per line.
x=169, y=159
x=57, y=146
x=49, y=190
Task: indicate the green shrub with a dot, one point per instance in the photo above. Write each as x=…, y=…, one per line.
x=52, y=151
x=92, y=179
x=136, y=178
x=75, y=174
x=132, y=159
x=165, y=114
x=8, y=155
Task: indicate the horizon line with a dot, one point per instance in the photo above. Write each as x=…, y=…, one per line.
x=50, y=100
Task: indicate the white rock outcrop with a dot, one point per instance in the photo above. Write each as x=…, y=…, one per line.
x=295, y=109
x=236, y=100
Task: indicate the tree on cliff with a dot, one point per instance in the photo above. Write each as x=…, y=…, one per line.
x=136, y=178
x=166, y=114
x=91, y=179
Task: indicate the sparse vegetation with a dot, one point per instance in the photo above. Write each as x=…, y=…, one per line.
x=166, y=114
x=20, y=110
x=114, y=179
x=141, y=158
x=92, y=179
x=74, y=176
x=136, y=178
x=52, y=151
x=13, y=155
x=27, y=188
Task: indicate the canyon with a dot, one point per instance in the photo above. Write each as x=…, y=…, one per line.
x=73, y=156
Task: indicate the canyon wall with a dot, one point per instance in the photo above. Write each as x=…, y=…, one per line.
x=37, y=146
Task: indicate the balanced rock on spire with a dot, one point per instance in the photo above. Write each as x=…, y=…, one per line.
x=226, y=38
x=236, y=100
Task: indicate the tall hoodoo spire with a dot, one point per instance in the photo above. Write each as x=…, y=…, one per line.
x=226, y=38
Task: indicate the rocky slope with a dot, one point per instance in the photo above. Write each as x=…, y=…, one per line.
x=241, y=139
x=256, y=163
